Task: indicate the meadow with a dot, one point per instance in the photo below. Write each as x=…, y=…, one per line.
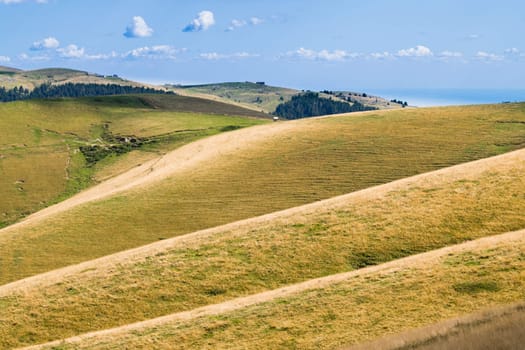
x=40, y=163
x=347, y=233
x=288, y=164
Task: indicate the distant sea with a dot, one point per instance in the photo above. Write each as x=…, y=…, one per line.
x=448, y=97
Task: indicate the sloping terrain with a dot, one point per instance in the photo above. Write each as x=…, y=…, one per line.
x=251, y=172
x=12, y=77
x=346, y=233
x=262, y=97
x=331, y=311
x=496, y=328
x=40, y=141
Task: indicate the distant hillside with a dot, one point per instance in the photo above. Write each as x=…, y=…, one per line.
x=266, y=98
x=12, y=77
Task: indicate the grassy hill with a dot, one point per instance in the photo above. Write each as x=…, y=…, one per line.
x=348, y=233
x=40, y=162
x=12, y=77
x=259, y=170
x=355, y=307
x=266, y=98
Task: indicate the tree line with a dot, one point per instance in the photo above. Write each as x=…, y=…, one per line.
x=310, y=104
x=74, y=90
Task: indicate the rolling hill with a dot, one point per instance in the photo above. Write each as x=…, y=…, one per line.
x=255, y=171
x=258, y=170
x=12, y=77
x=41, y=140
x=177, y=221
x=262, y=97
x=347, y=233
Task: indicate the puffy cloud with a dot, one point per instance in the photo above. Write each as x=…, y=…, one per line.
x=45, y=44
x=153, y=52
x=418, y=51
x=203, y=21
x=323, y=55
x=217, y=56
x=138, y=28
x=487, y=56
x=5, y=59
x=71, y=51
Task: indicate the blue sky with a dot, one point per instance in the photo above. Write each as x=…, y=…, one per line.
x=330, y=44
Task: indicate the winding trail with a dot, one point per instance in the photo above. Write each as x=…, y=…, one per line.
x=238, y=303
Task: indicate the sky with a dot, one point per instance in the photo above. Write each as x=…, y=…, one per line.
x=305, y=44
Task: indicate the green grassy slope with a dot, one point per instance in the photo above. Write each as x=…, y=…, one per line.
x=319, y=159
x=361, y=229
x=39, y=140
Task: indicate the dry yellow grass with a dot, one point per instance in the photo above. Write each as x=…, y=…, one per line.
x=495, y=328
x=365, y=228
x=397, y=296
x=318, y=159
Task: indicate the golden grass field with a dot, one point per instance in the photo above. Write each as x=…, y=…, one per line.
x=357, y=308
x=316, y=233
x=347, y=233
x=39, y=140
x=301, y=162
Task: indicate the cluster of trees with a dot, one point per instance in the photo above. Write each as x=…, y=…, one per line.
x=404, y=104
x=310, y=104
x=73, y=90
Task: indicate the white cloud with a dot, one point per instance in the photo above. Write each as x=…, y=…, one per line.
x=7, y=2
x=323, y=55
x=473, y=36
x=450, y=54
x=381, y=55
x=256, y=21
x=71, y=51
x=203, y=21
x=487, y=56
x=5, y=59
x=239, y=23
x=212, y=56
x=138, y=28
x=418, y=51
x=153, y=52
x=236, y=23
x=26, y=57
x=512, y=51
x=45, y=44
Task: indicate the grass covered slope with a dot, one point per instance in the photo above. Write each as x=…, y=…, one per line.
x=40, y=162
x=262, y=170
x=498, y=327
x=353, y=308
x=342, y=234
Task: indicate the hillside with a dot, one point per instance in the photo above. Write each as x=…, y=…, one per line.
x=44, y=145
x=255, y=171
x=266, y=97
x=12, y=77
x=342, y=234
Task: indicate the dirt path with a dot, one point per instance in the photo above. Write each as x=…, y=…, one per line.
x=179, y=160
x=462, y=171
x=238, y=303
